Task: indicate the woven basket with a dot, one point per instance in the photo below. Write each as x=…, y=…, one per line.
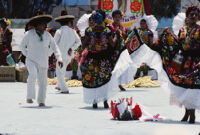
x=21, y=74
x=7, y=74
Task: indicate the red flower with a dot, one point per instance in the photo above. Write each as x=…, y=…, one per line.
x=108, y=5
x=135, y=6
x=92, y=79
x=114, y=110
x=137, y=113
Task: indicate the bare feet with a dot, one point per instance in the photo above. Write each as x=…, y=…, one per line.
x=30, y=101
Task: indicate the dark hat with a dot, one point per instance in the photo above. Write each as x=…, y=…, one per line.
x=40, y=18
x=64, y=17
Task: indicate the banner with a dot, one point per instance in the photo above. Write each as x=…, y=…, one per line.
x=132, y=10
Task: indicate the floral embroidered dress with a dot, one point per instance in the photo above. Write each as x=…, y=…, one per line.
x=99, y=63
x=121, y=28
x=175, y=59
x=5, y=45
x=100, y=60
x=180, y=58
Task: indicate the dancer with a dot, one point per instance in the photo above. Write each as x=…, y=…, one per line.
x=99, y=69
x=67, y=40
x=36, y=45
x=181, y=60
x=187, y=76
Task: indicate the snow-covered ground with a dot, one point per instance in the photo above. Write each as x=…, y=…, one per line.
x=68, y=115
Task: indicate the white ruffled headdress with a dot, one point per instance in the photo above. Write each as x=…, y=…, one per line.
x=152, y=24
x=83, y=23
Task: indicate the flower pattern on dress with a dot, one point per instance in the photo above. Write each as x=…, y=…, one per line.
x=180, y=56
x=100, y=61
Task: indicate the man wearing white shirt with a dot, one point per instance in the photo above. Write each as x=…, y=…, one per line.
x=67, y=40
x=36, y=46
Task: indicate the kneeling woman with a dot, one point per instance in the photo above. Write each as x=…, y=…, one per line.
x=105, y=60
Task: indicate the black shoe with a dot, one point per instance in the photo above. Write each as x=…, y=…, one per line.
x=186, y=116
x=106, y=104
x=192, y=120
x=192, y=117
x=121, y=88
x=94, y=106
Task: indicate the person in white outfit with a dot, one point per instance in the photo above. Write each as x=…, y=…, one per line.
x=67, y=40
x=36, y=46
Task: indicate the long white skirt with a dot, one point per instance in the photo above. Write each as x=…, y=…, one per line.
x=127, y=76
x=189, y=98
x=108, y=90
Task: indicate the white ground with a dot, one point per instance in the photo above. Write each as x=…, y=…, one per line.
x=68, y=115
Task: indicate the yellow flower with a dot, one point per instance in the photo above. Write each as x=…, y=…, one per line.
x=196, y=35
x=96, y=69
x=163, y=61
x=182, y=35
x=170, y=40
x=126, y=40
x=87, y=77
x=90, y=66
x=98, y=47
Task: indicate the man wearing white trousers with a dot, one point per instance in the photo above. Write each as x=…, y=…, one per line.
x=36, y=46
x=67, y=40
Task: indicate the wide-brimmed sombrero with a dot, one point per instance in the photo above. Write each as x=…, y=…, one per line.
x=64, y=17
x=40, y=18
